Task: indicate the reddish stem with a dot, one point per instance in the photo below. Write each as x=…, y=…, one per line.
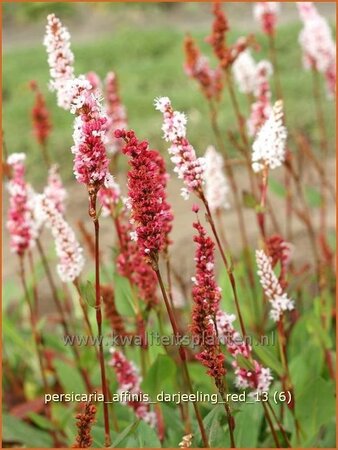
x=181, y=351
x=99, y=327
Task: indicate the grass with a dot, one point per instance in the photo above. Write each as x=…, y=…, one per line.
x=149, y=62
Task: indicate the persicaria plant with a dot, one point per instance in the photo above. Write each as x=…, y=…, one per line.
x=133, y=295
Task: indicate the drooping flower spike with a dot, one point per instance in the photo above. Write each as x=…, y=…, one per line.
x=197, y=66
x=84, y=425
x=129, y=380
x=256, y=378
x=55, y=190
x=216, y=185
x=60, y=59
x=21, y=225
x=206, y=296
x=226, y=54
x=270, y=143
x=150, y=211
x=42, y=125
x=68, y=249
x=279, y=300
x=188, y=167
x=116, y=113
x=90, y=158
x=261, y=107
x=131, y=264
x=266, y=13
x=244, y=71
x=319, y=49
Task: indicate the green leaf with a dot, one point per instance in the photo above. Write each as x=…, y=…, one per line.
x=249, y=200
x=277, y=188
x=146, y=437
x=161, y=373
x=41, y=421
x=313, y=197
x=69, y=377
x=214, y=424
x=269, y=359
x=15, y=430
x=88, y=293
x=123, y=296
x=315, y=407
x=248, y=423
x=306, y=365
x=125, y=433
x=244, y=362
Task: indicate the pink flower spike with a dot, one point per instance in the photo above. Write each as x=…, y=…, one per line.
x=60, y=59
x=55, y=190
x=195, y=208
x=129, y=381
x=206, y=296
x=261, y=108
x=266, y=14
x=20, y=223
x=257, y=378
x=319, y=48
x=68, y=249
x=150, y=211
x=116, y=113
x=216, y=185
x=279, y=300
x=187, y=166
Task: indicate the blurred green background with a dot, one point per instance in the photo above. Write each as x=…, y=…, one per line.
x=142, y=43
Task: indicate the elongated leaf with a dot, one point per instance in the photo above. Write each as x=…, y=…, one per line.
x=269, y=359
x=218, y=434
x=248, y=422
x=15, y=430
x=70, y=377
x=315, y=407
x=125, y=433
x=88, y=293
x=123, y=296
x=160, y=374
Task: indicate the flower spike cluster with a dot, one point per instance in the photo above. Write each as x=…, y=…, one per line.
x=197, y=66
x=269, y=145
x=188, y=167
x=266, y=14
x=319, y=49
x=206, y=296
x=68, y=249
x=84, y=424
x=226, y=54
x=257, y=378
x=279, y=300
x=150, y=211
x=20, y=223
x=55, y=190
x=129, y=380
x=60, y=59
x=280, y=251
x=216, y=185
x=90, y=158
x=261, y=108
